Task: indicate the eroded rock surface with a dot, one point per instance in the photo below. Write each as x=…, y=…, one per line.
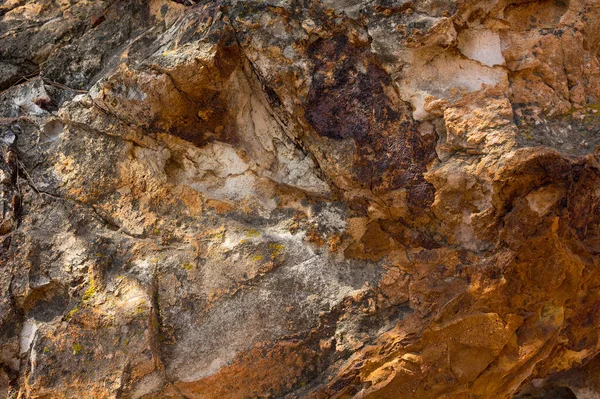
x=299, y=199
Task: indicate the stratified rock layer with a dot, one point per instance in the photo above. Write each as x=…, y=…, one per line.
x=299, y=199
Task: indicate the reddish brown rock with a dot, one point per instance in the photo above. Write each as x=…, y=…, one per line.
x=287, y=199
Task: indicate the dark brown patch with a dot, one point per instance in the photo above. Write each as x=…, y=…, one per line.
x=348, y=100
x=342, y=99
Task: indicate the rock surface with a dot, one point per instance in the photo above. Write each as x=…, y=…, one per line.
x=299, y=199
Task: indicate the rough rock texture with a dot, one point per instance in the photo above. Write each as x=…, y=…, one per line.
x=299, y=199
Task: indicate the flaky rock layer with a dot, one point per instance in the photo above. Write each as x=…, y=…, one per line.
x=299, y=199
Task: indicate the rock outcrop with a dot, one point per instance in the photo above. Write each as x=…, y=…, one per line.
x=299, y=199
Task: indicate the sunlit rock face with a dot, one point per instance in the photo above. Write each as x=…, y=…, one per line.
x=299, y=199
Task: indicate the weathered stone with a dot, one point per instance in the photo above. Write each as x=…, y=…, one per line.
x=299, y=199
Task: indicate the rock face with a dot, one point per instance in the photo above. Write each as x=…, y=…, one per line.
x=299, y=199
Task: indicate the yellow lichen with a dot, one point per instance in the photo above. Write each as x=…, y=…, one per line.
x=89, y=293
x=77, y=348
x=252, y=233
x=526, y=130
x=276, y=249
x=72, y=312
